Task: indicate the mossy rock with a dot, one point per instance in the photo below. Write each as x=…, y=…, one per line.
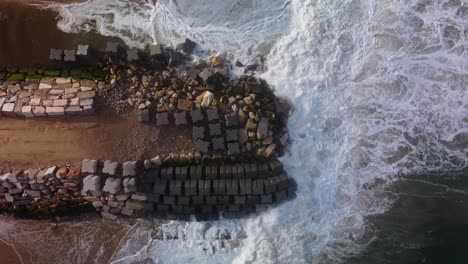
x=76, y=77
x=12, y=69
x=16, y=77
x=99, y=73
x=40, y=70
x=52, y=73
x=87, y=75
x=3, y=75
x=28, y=70
x=74, y=72
x=33, y=77
x=65, y=73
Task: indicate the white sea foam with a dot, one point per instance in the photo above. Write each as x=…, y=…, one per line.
x=379, y=89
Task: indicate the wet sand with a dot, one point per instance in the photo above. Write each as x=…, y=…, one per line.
x=30, y=143
x=8, y=254
x=28, y=34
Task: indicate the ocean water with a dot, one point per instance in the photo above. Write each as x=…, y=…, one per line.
x=380, y=92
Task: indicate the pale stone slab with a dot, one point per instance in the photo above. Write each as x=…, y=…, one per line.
x=8, y=108
x=56, y=92
x=39, y=111
x=86, y=102
x=75, y=101
x=62, y=80
x=27, y=111
x=62, y=102
x=73, y=110
x=48, y=103
x=35, y=101
x=45, y=86
x=86, y=95
x=55, y=111
x=71, y=90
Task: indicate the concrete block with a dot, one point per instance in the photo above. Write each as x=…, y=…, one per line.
x=129, y=184
x=198, y=200
x=62, y=102
x=82, y=50
x=167, y=173
x=203, y=146
x=180, y=118
x=212, y=114
x=91, y=183
x=112, y=47
x=198, y=132
x=218, y=143
x=232, y=121
x=197, y=115
x=181, y=173
x=69, y=55
x=89, y=166
x=110, y=167
x=112, y=185
x=215, y=129
x=190, y=187
x=129, y=168
x=183, y=200
x=204, y=187
x=162, y=119
x=175, y=187
x=160, y=187
x=233, y=148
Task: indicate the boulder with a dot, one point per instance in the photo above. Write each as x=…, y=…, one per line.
x=207, y=99
x=186, y=47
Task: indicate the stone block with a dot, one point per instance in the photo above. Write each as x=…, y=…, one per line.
x=266, y=199
x=269, y=185
x=112, y=47
x=39, y=111
x=232, y=135
x=218, y=143
x=198, y=132
x=181, y=173
x=155, y=49
x=73, y=110
x=70, y=90
x=263, y=170
x=87, y=85
x=122, y=197
x=219, y=187
x=162, y=119
x=86, y=102
x=184, y=105
x=205, y=74
x=239, y=199
x=245, y=186
x=169, y=200
x=62, y=102
x=86, y=95
x=233, y=148
x=276, y=167
x=196, y=172
x=160, y=187
x=144, y=116
x=82, y=50
x=35, y=101
x=55, y=111
x=203, y=146
x=44, y=86
x=91, y=183
x=211, y=200
x=183, y=200
x=232, y=121
x=167, y=173
x=215, y=129
x=56, y=54
x=257, y=187
x=8, y=109
x=175, y=187
x=129, y=168
x=26, y=111
x=126, y=211
x=190, y=187
x=56, y=92
x=232, y=186
x=69, y=55
x=280, y=196
x=129, y=184
x=198, y=200
x=89, y=166
x=132, y=54
x=224, y=200
x=197, y=115
x=180, y=118
x=204, y=187
x=110, y=167
x=134, y=205
x=139, y=197
x=112, y=185
x=212, y=114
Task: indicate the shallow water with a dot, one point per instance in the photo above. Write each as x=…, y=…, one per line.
x=379, y=90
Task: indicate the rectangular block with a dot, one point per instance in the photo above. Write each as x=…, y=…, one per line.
x=55, y=111
x=239, y=199
x=181, y=173
x=257, y=187
x=26, y=111
x=211, y=200
x=211, y=172
x=190, y=187
x=204, y=187
x=160, y=187
x=245, y=186
x=266, y=199
x=198, y=200
x=232, y=187
x=73, y=110
x=169, y=200
x=263, y=170
x=61, y=102
x=223, y=200
x=167, y=173
x=183, y=200
x=175, y=187
x=269, y=186
x=276, y=167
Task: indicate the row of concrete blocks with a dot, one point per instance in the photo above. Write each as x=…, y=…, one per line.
x=210, y=204
x=260, y=169
x=244, y=186
x=196, y=116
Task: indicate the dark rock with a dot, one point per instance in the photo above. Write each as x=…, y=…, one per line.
x=186, y=47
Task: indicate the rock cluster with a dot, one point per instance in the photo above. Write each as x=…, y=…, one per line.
x=47, y=97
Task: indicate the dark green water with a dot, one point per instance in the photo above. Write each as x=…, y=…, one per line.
x=428, y=223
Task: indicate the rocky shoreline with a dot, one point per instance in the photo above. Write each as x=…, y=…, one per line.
x=159, y=189
x=239, y=127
